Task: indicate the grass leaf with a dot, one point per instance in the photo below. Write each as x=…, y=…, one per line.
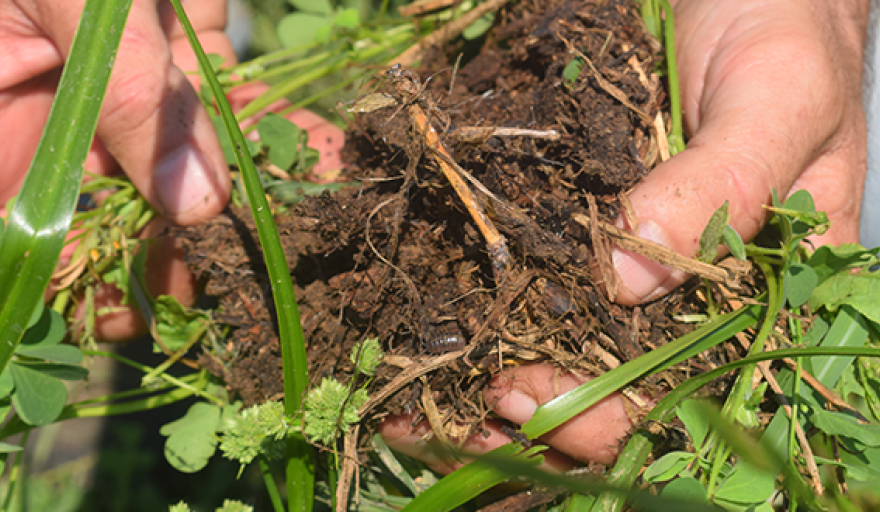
x=39, y=220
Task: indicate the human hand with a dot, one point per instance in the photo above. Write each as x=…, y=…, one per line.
x=771, y=93
x=772, y=100
x=152, y=125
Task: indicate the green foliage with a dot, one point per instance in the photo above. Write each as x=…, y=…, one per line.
x=258, y=430
x=332, y=409
x=234, y=506
x=479, y=27
x=191, y=439
x=228, y=506
x=32, y=381
x=367, y=356
x=285, y=142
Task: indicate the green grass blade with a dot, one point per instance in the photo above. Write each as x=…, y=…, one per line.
x=473, y=479
x=40, y=218
x=300, y=461
x=563, y=408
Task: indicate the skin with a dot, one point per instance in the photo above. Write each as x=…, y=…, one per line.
x=152, y=126
x=771, y=91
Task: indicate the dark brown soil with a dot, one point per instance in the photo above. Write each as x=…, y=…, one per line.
x=400, y=258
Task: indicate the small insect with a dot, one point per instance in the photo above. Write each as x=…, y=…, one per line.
x=443, y=340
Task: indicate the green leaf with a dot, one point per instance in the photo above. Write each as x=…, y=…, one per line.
x=802, y=280
x=6, y=384
x=733, y=242
x=282, y=138
x=479, y=26
x=828, y=260
x=57, y=371
x=67, y=354
x=348, y=19
x=38, y=397
x=175, y=323
x=856, y=290
x=367, y=356
x=689, y=412
x=38, y=222
x=848, y=330
x=472, y=479
x=862, y=466
x=668, y=466
x=686, y=488
x=192, y=440
x=315, y=6
x=300, y=29
x=710, y=239
x=840, y=424
x=746, y=484
x=9, y=448
x=49, y=330
x=290, y=192
x=572, y=71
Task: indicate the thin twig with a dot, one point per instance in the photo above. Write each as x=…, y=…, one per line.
x=661, y=254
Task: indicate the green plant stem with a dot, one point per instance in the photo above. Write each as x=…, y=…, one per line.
x=744, y=381
x=16, y=426
x=334, y=62
x=271, y=488
x=168, y=378
x=721, y=454
x=196, y=336
x=300, y=467
x=676, y=132
x=15, y=474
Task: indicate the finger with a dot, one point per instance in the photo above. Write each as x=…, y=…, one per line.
x=203, y=15
x=593, y=435
x=152, y=122
x=750, y=138
x=402, y=436
x=25, y=108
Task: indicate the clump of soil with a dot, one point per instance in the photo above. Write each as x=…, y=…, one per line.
x=400, y=257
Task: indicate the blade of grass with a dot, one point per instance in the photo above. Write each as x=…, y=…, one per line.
x=510, y=461
x=300, y=456
x=40, y=218
x=564, y=407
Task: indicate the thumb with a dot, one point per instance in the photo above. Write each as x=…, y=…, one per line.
x=749, y=140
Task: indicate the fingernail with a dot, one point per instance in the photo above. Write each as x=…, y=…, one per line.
x=183, y=181
x=638, y=274
x=519, y=407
